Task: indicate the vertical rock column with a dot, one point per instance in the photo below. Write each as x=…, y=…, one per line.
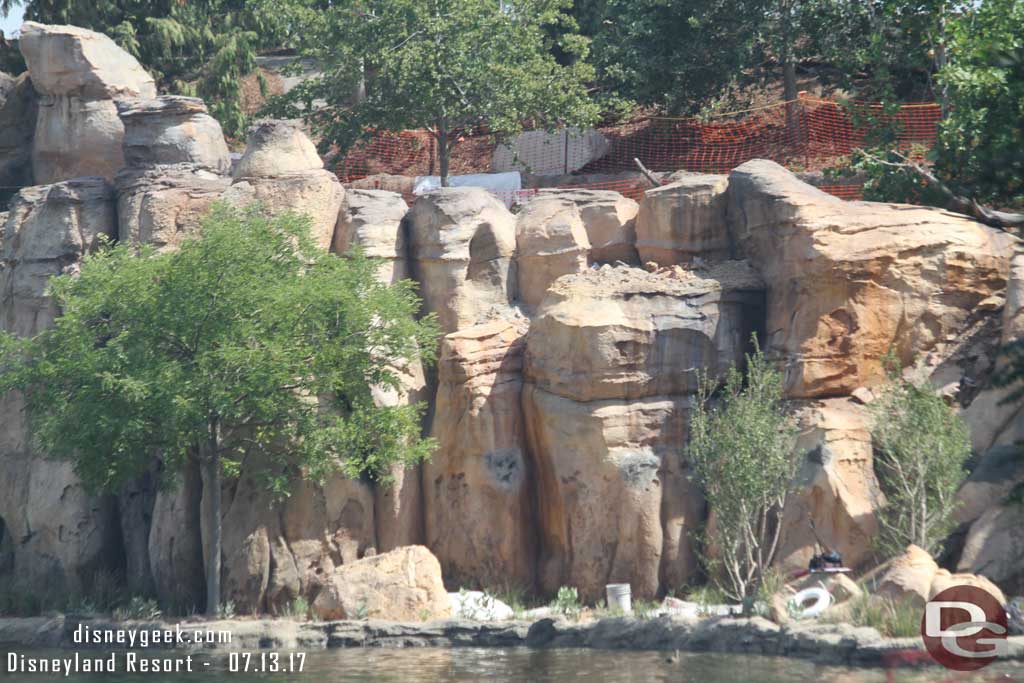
x=59, y=535
x=176, y=165
x=612, y=358
x=372, y=220
x=476, y=487
x=79, y=74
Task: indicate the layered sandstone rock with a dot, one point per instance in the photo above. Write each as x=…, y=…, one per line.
x=176, y=158
x=551, y=241
x=172, y=130
x=276, y=551
x=461, y=242
x=611, y=366
x=282, y=172
x=836, y=489
x=61, y=535
x=18, y=106
x=622, y=333
x=847, y=281
x=609, y=220
x=402, y=585
x=79, y=74
x=372, y=221
x=684, y=220
x=477, y=490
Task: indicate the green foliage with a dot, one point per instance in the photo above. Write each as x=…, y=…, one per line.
x=741, y=452
x=891, y=618
x=200, y=48
x=567, y=602
x=228, y=339
x=298, y=609
x=138, y=608
x=446, y=65
x=921, y=446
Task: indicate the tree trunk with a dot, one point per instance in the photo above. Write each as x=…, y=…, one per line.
x=212, y=484
x=442, y=151
x=789, y=91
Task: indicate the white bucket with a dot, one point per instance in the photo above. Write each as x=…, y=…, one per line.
x=619, y=597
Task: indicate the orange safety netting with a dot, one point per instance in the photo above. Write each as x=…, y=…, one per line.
x=807, y=134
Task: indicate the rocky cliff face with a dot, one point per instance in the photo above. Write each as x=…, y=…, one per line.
x=567, y=373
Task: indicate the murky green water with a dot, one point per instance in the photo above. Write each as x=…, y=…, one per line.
x=513, y=666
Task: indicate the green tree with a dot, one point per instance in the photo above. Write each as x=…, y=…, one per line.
x=445, y=65
x=197, y=48
x=249, y=345
x=741, y=450
x=921, y=446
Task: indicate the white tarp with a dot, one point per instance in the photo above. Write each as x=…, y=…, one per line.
x=506, y=186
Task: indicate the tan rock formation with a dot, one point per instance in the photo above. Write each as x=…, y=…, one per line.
x=461, y=245
x=277, y=551
x=172, y=130
x=63, y=535
x=684, y=220
x=909, y=577
x=836, y=486
x=551, y=241
x=944, y=579
x=175, y=543
x=477, y=491
x=402, y=585
x=162, y=205
x=624, y=333
x=994, y=546
x=847, y=281
x=278, y=172
x=372, y=220
x=609, y=219
x=611, y=361
x=79, y=74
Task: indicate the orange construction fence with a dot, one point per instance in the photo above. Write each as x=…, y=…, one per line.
x=807, y=134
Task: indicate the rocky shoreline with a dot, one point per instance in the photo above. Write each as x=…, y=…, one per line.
x=833, y=644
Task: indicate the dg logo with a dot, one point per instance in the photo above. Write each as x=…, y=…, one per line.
x=964, y=628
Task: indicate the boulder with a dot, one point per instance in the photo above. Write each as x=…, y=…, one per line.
x=79, y=74
x=477, y=496
x=609, y=219
x=624, y=333
x=172, y=130
x=835, y=488
x=77, y=62
x=551, y=241
x=550, y=153
x=276, y=148
x=684, y=220
x=18, y=106
x=160, y=205
x=944, y=579
x=64, y=535
x=402, y=585
x=909, y=577
x=372, y=221
x=848, y=281
x=278, y=172
x=461, y=242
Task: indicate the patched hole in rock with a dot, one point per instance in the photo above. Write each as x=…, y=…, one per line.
x=506, y=466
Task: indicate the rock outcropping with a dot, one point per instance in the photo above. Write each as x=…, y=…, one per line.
x=566, y=375
x=79, y=75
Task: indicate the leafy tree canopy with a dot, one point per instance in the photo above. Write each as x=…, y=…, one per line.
x=446, y=65
x=231, y=340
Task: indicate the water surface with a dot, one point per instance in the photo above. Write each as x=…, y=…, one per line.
x=518, y=665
